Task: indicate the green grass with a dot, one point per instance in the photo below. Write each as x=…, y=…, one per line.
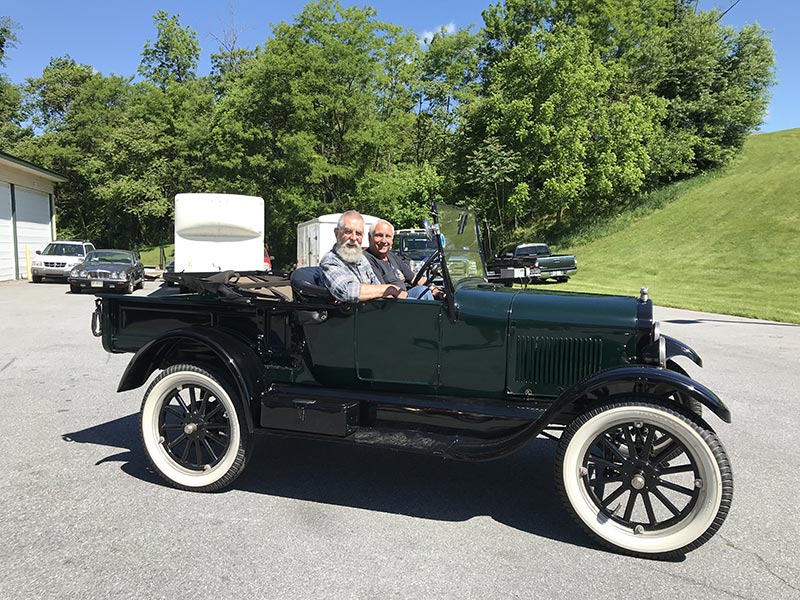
x=150, y=255
x=727, y=243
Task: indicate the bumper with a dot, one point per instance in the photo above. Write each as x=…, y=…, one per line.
x=558, y=273
x=44, y=271
x=98, y=284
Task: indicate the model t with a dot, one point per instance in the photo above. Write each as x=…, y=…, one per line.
x=473, y=377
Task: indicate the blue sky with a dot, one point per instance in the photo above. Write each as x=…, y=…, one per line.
x=109, y=34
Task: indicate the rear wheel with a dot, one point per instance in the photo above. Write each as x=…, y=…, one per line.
x=193, y=429
x=644, y=478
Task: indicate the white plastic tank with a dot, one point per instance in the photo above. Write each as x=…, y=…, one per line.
x=218, y=232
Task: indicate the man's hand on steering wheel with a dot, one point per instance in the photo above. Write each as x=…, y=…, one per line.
x=427, y=270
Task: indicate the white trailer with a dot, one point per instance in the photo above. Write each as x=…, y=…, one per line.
x=315, y=237
x=218, y=232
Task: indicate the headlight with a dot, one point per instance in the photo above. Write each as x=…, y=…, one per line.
x=74, y=273
x=116, y=275
x=36, y=263
x=84, y=274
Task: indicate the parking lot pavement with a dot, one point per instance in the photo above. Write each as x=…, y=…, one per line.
x=83, y=516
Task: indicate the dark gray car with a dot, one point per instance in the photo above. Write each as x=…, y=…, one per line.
x=108, y=270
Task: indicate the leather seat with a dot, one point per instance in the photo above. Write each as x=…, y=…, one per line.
x=308, y=285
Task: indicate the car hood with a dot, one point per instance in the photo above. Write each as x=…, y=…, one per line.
x=548, y=309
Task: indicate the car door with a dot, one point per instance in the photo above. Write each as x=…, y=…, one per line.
x=397, y=342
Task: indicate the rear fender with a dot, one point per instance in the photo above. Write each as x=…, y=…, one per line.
x=209, y=347
x=652, y=381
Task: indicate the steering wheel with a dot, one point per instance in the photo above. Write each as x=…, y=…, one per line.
x=430, y=268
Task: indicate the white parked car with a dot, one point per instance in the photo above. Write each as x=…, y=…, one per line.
x=58, y=258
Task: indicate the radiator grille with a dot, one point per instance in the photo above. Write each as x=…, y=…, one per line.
x=556, y=361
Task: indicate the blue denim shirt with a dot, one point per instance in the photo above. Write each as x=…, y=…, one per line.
x=344, y=279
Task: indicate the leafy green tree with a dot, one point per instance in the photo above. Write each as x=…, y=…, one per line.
x=556, y=136
x=317, y=115
x=50, y=97
x=604, y=99
x=12, y=118
x=75, y=118
x=716, y=82
x=159, y=148
x=173, y=57
x=449, y=80
x=8, y=37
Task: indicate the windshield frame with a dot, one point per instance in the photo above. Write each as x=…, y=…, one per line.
x=455, y=222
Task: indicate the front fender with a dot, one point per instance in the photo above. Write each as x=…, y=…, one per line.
x=665, y=348
x=654, y=381
x=237, y=358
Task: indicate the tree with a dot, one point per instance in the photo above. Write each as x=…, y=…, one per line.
x=50, y=97
x=174, y=55
x=8, y=39
x=448, y=82
x=320, y=118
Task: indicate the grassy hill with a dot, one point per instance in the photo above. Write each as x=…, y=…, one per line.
x=727, y=243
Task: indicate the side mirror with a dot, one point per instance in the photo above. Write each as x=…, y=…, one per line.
x=38, y=252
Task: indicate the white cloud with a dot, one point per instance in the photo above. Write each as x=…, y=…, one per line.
x=427, y=36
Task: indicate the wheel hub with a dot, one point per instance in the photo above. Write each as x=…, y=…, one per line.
x=637, y=481
x=190, y=428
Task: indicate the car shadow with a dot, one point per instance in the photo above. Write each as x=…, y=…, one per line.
x=517, y=490
x=731, y=321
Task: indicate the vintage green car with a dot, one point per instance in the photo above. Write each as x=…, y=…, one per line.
x=473, y=377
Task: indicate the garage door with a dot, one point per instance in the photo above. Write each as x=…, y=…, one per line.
x=6, y=234
x=33, y=222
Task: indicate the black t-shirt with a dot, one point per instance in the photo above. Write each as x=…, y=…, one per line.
x=393, y=270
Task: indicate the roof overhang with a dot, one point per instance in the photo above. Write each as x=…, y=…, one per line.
x=30, y=168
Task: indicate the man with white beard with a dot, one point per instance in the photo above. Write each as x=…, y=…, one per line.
x=347, y=273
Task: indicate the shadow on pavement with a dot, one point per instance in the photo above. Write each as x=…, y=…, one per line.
x=517, y=491
x=735, y=322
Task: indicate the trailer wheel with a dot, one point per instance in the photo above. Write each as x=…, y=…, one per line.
x=193, y=429
x=644, y=478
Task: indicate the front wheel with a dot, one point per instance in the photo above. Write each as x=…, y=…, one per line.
x=37, y=279
x=75, y=289
x=644, y=478
x=193, y=429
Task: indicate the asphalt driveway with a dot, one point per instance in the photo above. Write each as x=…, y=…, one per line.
x=84, y=517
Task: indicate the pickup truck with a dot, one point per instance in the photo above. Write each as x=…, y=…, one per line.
x=474, y=376
x=528, y=263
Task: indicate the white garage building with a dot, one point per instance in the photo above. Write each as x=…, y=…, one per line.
x=27, y=217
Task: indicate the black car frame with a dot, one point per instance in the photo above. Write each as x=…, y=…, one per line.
x=107, y=269
x=473, y=377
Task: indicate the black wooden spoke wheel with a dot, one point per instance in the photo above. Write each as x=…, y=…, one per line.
x=193, y=429
x=645, y=478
